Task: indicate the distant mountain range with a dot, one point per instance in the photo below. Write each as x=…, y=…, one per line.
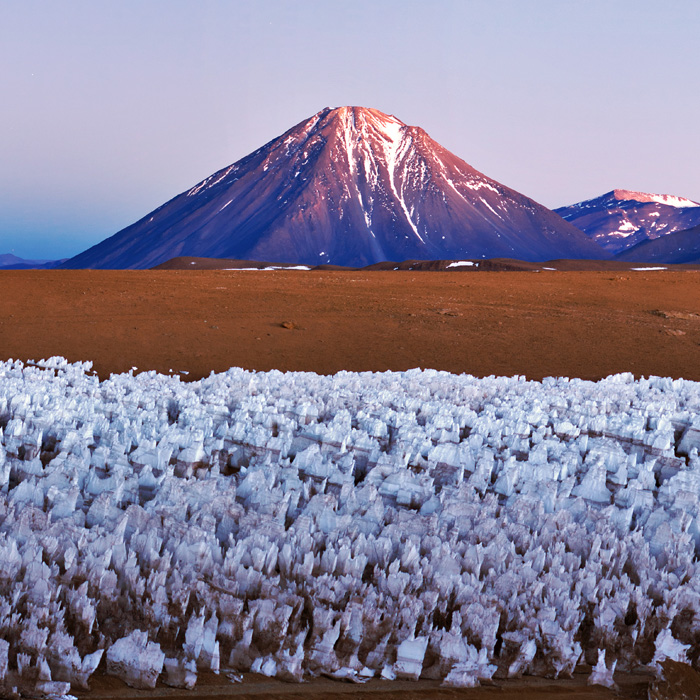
x=348, y=186
x=621, y=219
x=12, y=262
x=354, y=187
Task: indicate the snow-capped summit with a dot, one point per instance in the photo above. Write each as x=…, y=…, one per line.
x=667, y=199
x=621, y=219
x=348, y=186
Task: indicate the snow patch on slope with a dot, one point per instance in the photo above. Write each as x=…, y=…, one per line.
x=389, y=135
x=667, y=199
x=395, y=146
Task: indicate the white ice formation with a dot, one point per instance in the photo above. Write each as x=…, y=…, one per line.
x=601, y=674
x=402, y=525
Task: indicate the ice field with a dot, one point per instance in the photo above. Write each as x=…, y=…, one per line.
x=402, y=525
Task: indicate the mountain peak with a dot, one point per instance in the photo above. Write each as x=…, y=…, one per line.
x=361, y=115
x=642, y=197
x=362, y=122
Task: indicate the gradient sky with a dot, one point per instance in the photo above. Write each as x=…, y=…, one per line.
x=110, y=108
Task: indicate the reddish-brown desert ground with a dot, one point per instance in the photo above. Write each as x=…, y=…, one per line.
x=577, y=324
x=211, y=687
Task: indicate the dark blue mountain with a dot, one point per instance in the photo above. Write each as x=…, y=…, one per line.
x=679, y=247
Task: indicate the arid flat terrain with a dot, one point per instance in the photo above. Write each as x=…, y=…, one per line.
x=211, y=687
x=549, y=323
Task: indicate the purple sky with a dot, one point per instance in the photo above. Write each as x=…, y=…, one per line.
x=111, y=108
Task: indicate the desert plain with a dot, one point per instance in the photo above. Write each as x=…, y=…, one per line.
x=586, y=324
x=536, y=323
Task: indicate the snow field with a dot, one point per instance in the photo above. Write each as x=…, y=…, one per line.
x=402, y=525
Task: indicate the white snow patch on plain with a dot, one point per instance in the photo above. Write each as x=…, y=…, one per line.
x=462, y=263
x=645, y=269
x=271, y=267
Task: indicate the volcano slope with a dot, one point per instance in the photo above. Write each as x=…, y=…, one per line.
x=349, y=186
x=578, y=324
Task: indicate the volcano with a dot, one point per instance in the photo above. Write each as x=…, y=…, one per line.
x=349, y=186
